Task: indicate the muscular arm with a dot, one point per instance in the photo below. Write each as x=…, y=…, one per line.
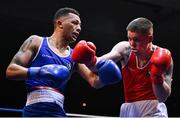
x=118, y=53
x=91, y=77
x=163, y=91
x=17, y=68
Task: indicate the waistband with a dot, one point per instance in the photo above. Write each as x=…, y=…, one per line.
x=45, y=95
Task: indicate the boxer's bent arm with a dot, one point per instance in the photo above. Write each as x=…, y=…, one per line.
x=117, y=53
x=17, y=68
x=91, y=77
x=163, y=91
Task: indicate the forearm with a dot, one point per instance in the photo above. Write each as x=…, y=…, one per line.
x=95, y=82
x=16, y=72
x=161, y=91
x=161, y=73
x=108, y=72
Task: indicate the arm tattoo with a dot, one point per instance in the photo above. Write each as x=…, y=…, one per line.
x=21, y=54
x=26, y=45
x=168, y=74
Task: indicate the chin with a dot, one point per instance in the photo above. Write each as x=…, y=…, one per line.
x=72, y=40
x=135, y=52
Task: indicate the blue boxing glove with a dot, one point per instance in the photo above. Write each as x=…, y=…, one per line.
x=109, y=72
x=54, y=71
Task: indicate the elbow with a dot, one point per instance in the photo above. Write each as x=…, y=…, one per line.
x=14, y=72
x=164, y=96
x=96, y=84
x=162, y=99
x=8, y=73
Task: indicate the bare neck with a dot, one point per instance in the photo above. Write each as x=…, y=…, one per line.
x=59, y=44
x=58, y=41
x=144, y=57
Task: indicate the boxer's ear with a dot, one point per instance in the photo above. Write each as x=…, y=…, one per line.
x=59, y=24
x=149, y=38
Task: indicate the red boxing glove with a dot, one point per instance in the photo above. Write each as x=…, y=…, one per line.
x=160, y=60
x=85, y=52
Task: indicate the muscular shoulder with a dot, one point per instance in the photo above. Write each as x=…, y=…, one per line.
x=155, y=46
x=33, y=41
x=123, y=48
x=32, y=44
x=122, y=45
x=118, y=53
x=36, y=40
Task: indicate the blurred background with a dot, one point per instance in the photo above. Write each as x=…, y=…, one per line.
x=104, y=23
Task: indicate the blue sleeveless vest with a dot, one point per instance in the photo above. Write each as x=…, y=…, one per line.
x=45, y=56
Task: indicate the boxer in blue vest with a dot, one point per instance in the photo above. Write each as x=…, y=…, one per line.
x=46, y=64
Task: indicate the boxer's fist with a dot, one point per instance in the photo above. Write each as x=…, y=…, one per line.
x=109, y=72
x=84, y=52
x=53, y=71
x=160, y=61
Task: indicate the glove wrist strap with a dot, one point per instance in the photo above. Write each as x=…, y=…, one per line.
x=32, y=71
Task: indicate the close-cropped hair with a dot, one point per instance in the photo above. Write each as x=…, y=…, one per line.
x=141, y=25
x=64, y=11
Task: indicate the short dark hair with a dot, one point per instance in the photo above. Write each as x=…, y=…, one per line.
x=141, y=25
x=64, y=11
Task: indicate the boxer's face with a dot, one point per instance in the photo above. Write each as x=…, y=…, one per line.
x=71, y=25
x=138, y=41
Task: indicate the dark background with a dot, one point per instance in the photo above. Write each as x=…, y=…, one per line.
x=104, y=23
